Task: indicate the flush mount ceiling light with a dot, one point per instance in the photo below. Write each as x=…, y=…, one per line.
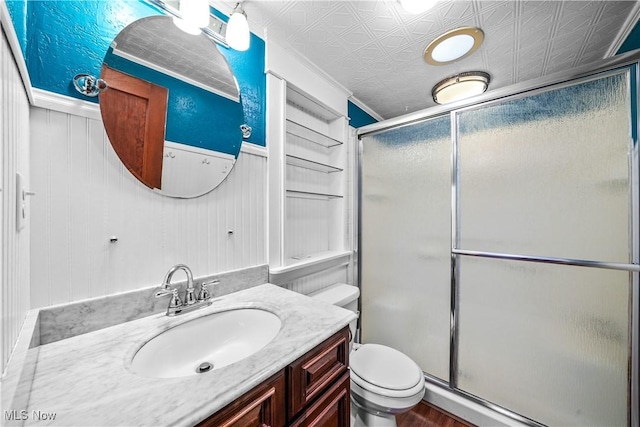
x=194, y=15
x=417, y=6
x=453, y=45
x=238, y=36
x=460, y=86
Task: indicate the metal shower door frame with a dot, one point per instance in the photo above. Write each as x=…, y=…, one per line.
x=627, y=63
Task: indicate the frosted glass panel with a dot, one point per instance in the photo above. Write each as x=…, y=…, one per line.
x=549, y=174
x=406, y=242
x=549, y=342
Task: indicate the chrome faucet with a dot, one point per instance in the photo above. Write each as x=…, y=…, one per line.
x=190, y=303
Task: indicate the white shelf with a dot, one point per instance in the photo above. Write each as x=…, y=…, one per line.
x=297, y=268
x=310, y=164
x=310, y=135
x=312, y=195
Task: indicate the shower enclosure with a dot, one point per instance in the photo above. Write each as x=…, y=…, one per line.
x=499, y=246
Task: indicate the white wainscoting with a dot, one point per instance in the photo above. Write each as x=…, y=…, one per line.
x=321, y=280
x=85, y=196
x=14, y=157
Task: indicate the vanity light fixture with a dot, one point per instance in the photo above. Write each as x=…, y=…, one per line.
x=460, y=86
x=194, y=16
x=453, y=45
x=238, y=35
x=417, y=6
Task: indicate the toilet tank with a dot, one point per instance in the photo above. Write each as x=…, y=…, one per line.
x=342, y=295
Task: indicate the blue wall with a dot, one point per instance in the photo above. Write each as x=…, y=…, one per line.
x=632, y=41
x=61, y=38
x=358, y=117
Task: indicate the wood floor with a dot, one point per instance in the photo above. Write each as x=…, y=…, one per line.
x=425, y=415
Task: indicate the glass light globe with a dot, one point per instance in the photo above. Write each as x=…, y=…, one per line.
x=195, y=15
x=238, y=31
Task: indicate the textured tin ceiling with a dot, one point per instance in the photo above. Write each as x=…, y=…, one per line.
x=156, y=41
x=374, y=48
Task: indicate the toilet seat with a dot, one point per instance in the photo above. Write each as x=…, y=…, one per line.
x=386, y=372
x=372, y=388
x=382, y=405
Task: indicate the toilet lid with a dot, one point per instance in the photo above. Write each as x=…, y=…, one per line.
x=385, y=367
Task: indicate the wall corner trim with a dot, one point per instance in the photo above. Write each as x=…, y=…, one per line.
x=65, y=104
x=10, y=31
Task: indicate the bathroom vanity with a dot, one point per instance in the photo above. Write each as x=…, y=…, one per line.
x=312, y=391
x=299, y=378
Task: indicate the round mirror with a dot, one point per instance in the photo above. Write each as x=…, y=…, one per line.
x=172, y=109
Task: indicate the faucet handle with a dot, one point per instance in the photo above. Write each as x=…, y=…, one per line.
x=189, y=298
x=175, y=299
x=204, y=290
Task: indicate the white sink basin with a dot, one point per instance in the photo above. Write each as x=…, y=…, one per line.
x=206, y=343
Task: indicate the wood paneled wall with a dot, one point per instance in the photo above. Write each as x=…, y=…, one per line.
x=14, y=157
x=86, y=196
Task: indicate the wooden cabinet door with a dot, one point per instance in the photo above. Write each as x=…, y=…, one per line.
x=311, y=375
x=332, y=409
x=134, y=114
x=263, y=406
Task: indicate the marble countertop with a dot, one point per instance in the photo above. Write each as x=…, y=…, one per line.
x=86, y=380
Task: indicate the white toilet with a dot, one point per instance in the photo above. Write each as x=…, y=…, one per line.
x=384, y=381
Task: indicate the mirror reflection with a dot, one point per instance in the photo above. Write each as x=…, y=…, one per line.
x=172, y=110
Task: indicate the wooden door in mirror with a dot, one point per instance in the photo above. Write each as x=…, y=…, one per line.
x=139, y=139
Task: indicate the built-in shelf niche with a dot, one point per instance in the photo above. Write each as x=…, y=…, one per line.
x=315, y=162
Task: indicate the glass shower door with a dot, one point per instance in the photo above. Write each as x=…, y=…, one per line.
x=503, y=258
x=406, y=240
x=545, y=178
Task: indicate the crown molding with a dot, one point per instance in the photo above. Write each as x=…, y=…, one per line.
x=624, y=32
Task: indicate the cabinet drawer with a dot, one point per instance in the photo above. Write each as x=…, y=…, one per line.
x=332, y=409
x=262, y=406
x=314, y=372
